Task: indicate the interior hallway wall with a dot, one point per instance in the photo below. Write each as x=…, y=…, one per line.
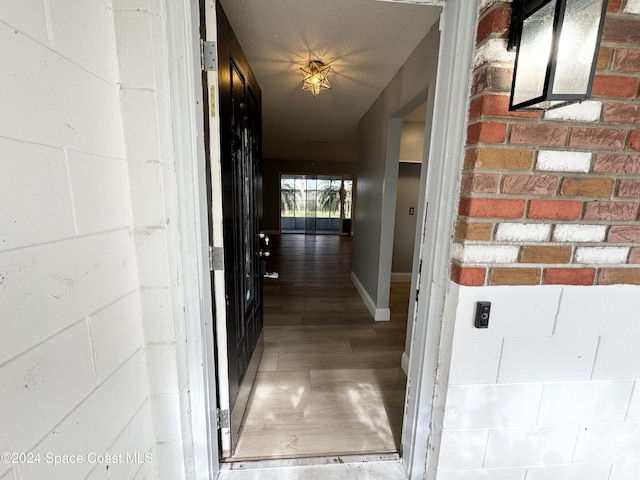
x=73, y=375
x=405, y=224
x=372, y=186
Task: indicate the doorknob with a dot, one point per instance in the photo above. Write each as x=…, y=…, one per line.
x=265, y=253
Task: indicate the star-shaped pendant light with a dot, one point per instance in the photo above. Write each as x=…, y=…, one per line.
x=316, y=77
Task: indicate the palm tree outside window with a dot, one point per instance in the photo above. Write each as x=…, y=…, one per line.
x=315, y=204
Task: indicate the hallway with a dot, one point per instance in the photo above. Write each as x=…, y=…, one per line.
x=330, y=380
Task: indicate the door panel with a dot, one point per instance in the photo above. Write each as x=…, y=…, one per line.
x=239, y=339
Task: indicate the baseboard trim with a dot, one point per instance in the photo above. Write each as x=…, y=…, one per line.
x=404, y=363
x=378, y=314
x=401, y=277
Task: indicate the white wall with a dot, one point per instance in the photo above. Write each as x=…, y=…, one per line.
x=412, y=141
x=141, y=31
x=404, y=231
x=551, y=390
x=377, y=172
x=73, y=375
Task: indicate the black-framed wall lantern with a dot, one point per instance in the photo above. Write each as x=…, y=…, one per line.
x=557, y=43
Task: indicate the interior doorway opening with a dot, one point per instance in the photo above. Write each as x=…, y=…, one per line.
x=407, y=194
x=315, y=204
x=333, y=315
x=449, y=126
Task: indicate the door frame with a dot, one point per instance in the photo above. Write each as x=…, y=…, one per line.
x=423, y=416
x=390, y=195
x=183, y=50
x=428, y=357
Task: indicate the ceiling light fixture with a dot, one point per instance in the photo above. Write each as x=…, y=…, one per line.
x=316, y=77
x=557, y=45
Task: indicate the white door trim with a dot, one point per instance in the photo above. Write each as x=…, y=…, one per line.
x=183, y=49
x=423, y=422
x=221, y=357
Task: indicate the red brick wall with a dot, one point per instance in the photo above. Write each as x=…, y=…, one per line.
x=552, y=198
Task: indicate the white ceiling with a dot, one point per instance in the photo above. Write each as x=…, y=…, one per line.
x=364, y=41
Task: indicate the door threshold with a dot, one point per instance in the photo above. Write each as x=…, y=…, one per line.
x=337, y=467
x=308, y=461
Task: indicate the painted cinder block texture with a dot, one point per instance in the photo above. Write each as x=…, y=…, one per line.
x=573, y=172
x=146, y=110
x=73, y=367
x=550, y=390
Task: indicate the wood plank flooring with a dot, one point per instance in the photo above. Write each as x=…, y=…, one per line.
x=330, y=381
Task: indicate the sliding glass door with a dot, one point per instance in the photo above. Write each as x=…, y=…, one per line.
x=315, y=204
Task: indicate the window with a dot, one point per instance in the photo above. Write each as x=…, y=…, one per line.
x=315, y=204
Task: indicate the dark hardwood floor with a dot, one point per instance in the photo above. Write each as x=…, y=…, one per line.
x=330, y=381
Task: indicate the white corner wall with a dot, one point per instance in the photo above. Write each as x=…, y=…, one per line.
x=73, y=375
x=145, y=96
x=551, y=390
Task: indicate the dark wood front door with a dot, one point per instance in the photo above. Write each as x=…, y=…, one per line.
x=240, y=130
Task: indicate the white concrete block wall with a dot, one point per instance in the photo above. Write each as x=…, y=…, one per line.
x=602, y=312
x=92, y=22
x=551, y=390
x=591, y=401
x=73, y=375
x=529, y=446
x=546, y=358
x=39, y=387
x=93, y=180
x=633, y=415
x=95, y=426
x=37, y=222
x=56, y=112
x=68, y=280
x=593, y=471
x=632, y=6
x=146, y=109
x=502, y=474
x=116, y=334
x=28, y=16
x=129, y=441
x=618, y=358
x=625, y=471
